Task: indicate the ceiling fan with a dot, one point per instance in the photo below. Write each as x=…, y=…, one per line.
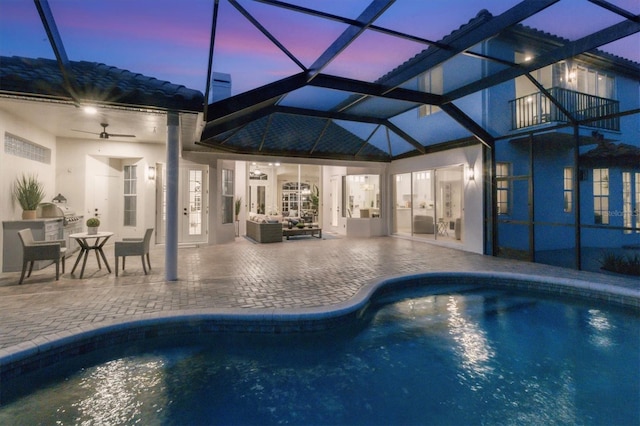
x=104, y=134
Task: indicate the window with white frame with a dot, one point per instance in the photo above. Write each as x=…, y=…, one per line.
x=630, y=201
x=601, y=196
x=503, y=184
x=227, y=196
x=568, y=190
x=430, y=82
x=130, y=195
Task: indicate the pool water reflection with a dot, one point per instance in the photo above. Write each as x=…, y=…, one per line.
x=476, y=356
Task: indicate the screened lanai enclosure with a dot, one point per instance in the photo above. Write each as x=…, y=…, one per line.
x=552, y=104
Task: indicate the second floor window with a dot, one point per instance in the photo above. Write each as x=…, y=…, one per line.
x=601, y=196
x=503, y=183
x=130, y=195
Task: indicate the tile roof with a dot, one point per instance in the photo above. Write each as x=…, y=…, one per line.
x=320, y=137
x=95, y=82
x=621, y=154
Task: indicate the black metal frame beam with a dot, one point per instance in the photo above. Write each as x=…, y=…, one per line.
x=212, y=43
x=266, y=33
x=333, y=115
x=615, y=9
x=50, y=27
x=374, y=89
x=366, y=18
x=465, y=121
x=268, y=94
x=461, y=41
x=571, y=49
x=349, y=21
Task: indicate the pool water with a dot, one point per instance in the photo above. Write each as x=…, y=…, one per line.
x=473, y=357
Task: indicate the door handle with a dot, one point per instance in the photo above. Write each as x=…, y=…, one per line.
x=185, y=212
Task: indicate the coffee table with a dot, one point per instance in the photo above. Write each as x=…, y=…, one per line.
x=314, y=230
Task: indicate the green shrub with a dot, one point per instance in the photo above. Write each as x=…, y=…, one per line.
x=621, y=264
x=93, y=222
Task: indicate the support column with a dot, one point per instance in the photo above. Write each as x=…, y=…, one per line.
x=173, y=177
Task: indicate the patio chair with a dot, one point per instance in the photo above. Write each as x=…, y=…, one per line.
x=134, y=247
x=40, y=250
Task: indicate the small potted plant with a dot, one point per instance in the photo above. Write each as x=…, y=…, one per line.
x=92, y=225
x=29, y=192
x=238, y=206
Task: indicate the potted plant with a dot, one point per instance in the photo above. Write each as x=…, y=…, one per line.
x=238, y=205
x=29, y=192
x=92, y=225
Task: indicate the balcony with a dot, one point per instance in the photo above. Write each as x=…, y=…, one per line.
x=536, y=109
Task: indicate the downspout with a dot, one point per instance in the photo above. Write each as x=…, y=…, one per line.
x=173, y=176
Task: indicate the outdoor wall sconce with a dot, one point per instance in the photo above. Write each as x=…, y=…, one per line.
x=471, y=175
x=151, y=173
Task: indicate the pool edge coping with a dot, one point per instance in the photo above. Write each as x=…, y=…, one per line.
x=263, y=319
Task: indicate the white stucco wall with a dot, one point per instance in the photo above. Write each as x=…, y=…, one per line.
x=13, y=167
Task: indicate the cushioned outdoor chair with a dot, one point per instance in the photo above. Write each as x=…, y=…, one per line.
x=134, y=247
x=40, y=250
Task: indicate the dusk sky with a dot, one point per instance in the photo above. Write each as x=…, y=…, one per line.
x=169, y=39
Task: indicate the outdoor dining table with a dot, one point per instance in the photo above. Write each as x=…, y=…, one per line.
x=88, y=242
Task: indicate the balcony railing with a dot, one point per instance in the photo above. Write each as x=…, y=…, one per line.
x=535, y=109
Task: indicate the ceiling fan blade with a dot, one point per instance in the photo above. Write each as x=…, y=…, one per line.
x=84, y=131
x=116, y=135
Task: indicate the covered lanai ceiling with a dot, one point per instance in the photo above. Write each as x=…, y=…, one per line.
x=313, y=78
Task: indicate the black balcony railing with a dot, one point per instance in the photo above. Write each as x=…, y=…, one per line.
x=535, y=109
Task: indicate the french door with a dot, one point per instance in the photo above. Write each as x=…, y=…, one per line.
x=192, y=204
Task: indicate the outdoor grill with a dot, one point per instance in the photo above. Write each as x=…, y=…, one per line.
x=72, y=222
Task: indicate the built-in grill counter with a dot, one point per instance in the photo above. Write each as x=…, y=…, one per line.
x=71, y=222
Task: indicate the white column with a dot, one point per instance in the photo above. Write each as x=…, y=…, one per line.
x=173, y=174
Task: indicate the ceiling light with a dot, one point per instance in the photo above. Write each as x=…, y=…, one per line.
x=90, y=110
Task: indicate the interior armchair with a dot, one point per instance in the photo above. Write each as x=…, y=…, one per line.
x=134, y=247
x=40, y=250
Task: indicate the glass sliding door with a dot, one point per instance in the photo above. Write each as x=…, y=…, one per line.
x=402, y=204
x=429, y=204
x=423, y=204
x=449, y=198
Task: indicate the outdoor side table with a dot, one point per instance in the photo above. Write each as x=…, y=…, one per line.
x=88, y=242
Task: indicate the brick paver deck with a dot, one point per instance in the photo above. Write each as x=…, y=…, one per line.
x=294, y=274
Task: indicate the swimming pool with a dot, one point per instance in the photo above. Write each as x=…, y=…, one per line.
x=435, y=355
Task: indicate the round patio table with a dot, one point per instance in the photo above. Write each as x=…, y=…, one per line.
x=88, y=242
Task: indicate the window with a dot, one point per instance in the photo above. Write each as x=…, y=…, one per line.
x=503, y=175
x=19, y=147
x=595, y=83
x=601, y=196
x=227, y=196
x=568, y=189
x=430, y=82
x=130, y=195
x=630, y=200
